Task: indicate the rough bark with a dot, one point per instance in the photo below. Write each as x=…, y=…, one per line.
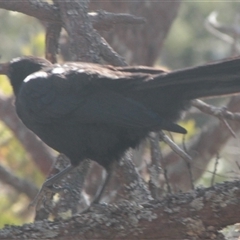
x=195, y=215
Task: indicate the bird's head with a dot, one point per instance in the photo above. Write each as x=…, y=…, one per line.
x=19, y=68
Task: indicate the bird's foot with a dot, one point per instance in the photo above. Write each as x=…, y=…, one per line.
x=47, y=192
x=57, y=189
x=49, y=188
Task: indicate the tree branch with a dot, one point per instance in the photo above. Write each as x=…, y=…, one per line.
x=38, y=9
x=40, y=153
x=74, y=17
x=195, y=215
x=53, y=31
x=45, y=12
x=21, y=185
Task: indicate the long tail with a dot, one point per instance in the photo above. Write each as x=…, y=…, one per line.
x=169, y=93
x=213, y=79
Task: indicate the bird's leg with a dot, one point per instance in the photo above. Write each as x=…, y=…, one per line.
x=49, y=182
x=102, y=189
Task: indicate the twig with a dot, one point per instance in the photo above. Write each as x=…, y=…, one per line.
x=215, y=111
x=180, y=152
x=215, y=169
x=223, y=31
x=229, y=128
x=165, y=173
x=220, y=113
x=175, y=147
x=217, y=29
x=103, y=20
x=189, y=166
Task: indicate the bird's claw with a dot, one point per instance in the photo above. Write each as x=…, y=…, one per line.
x=38, y=199
x=52, y=189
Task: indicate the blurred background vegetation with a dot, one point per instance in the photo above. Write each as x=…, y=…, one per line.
x=188, y=43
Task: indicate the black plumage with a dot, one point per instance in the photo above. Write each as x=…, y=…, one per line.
x=86, y=110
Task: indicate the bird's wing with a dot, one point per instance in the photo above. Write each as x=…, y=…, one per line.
x=52, y=98
x=140, y=69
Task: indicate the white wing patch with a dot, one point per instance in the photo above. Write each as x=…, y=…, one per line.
x=35, y=75
x=58, y=70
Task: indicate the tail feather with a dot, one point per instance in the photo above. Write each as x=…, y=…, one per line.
x=213, y=79
x=169, y=93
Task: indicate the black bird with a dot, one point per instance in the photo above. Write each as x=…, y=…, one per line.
x=85, y=110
